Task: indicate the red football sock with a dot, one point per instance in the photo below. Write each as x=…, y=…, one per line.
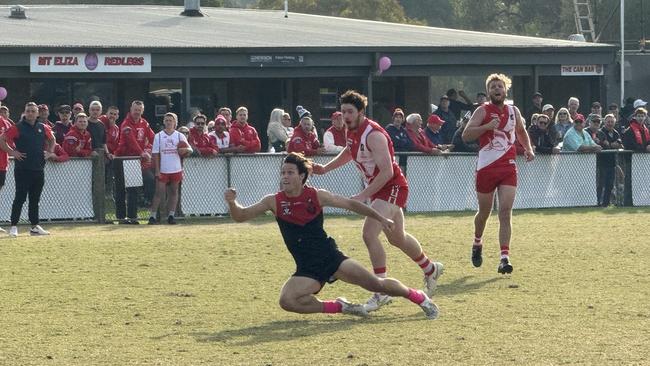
x=416, y=296
x=380, y=272
x=427, y=267
x=505, y=250
x=331, y=307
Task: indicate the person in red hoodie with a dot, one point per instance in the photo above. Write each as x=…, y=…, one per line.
x=136, y=139
x=77, y=142
x=58, y=155
x=420, y=141
x=243, y=137
x=199, y=139
x=112, y=142
x=304, y=139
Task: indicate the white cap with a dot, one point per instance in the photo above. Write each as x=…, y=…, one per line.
x=639, y=103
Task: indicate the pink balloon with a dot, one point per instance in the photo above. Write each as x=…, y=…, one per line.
x=3, y=93
x=384, y=63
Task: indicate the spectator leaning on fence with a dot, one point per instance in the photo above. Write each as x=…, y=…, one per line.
x=276, y=132
x=397, y=132
x=420, y=141
x=97, y=129
x=304, y=139
x=58, y=155
x=44, y=115
x=432, y=132
x=199, y=139
x=112, y=129
x=227, y=114
x=220, y=136
x=24, y=141
x=549, y=111
x=573, y=105
x=62, y=126
x=609, y=139
x=168, y=145
x=136, y=139
x=286, y=122
x=243, y=137
x=563, y=123
x=636, y=137
x=577, y=139
x=335, y=138
x=543, y=137
x=78, y=141
x=593, y=126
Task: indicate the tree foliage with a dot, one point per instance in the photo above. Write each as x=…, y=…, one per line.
x=382, y=10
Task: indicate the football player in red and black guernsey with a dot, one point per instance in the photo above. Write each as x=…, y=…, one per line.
x=298, y=209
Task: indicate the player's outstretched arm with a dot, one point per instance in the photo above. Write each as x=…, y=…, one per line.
x=341, y=159
x=327, y=198
x=240, y=213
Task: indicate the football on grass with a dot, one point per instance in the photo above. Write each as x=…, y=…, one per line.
x=184, y=149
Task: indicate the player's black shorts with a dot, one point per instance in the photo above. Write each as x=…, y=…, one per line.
x=3, y=177
x=321, y=267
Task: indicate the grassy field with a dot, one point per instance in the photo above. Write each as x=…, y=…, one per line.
x=206, y=293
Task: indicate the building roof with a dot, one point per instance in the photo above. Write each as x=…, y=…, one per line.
x=161, y=27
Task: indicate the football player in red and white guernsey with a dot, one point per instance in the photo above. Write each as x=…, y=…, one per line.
x=495, y=125
x=298, y=209
x=168, y=167
x=371, y=149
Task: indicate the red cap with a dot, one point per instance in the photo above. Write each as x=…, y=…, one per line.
x=220, y=119
x=336, y=114
x=43, y=107
x=434, y=119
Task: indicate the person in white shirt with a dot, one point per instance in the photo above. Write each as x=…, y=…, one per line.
x=335, y=138
x=169, y=146
x=220, y=135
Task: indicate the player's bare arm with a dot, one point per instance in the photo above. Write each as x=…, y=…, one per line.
x=378, y=144
x=341, y=159
x=333, y=200
x=240, y=213
x=522, y=136
x=474, y=129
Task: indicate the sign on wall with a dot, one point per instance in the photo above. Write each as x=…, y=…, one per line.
x=582, y=70
x=90, y=62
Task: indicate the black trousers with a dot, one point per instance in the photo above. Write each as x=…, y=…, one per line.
x=28, y=183
x=130, y=209
x=606, y=176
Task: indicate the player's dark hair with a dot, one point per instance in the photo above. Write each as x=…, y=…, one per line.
x=355, y=98
x=299, y=160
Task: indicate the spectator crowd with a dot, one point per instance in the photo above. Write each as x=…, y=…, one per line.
x=99, y=132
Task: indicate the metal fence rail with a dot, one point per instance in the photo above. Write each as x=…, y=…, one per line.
x=75, y=190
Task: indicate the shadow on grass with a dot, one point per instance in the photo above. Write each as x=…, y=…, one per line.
x=461, y=285
x=287, y=330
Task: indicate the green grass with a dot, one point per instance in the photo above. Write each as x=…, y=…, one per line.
x=206, y=293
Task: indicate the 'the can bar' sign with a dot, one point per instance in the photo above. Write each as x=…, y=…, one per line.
x=582, y=70
x=90, y=62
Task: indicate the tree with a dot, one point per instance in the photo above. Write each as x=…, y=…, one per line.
x=381, y=10
x=435, y=13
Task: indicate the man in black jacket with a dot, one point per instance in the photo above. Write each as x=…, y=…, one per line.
x=542, y=137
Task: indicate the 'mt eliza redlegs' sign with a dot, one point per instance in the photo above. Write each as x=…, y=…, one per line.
x=90, y=62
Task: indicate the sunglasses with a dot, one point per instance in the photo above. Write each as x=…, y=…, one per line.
x=562, y=114
x=200, y=123
x=578, y=121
